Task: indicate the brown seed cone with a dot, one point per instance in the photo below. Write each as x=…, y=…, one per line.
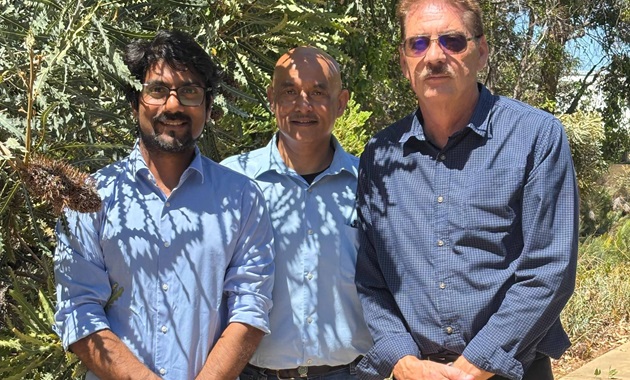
x=60, y=185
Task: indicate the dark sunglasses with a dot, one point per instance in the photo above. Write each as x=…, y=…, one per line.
x=454, y=43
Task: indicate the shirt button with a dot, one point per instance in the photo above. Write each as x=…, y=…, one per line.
x=309, y=190
x=309, y=320
x=164, y=329
x=165, y=287
x=168, y=204
x=167, y=244
x=440, y=199
x=310, y=232
x=162, y=371
x=309, y=276
x=440, y=243
x=442, y=157
x=449, y=330
x=309, y=361
x=442, y=285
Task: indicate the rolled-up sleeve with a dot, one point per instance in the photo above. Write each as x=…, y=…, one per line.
x=83, y=287
x=250, y=275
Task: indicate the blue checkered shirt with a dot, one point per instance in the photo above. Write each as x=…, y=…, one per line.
x=471, y=248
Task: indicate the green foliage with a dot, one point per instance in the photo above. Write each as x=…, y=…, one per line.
x=29, y=348
x=585, y=132
x=602, y=280
x=350, y=128
x=617, y=90
x=62, y=74
x=61, y=80
x=56, y=99
x=371, y=68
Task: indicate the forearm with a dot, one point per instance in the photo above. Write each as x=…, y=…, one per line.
x=231, y=352
x=108, y=357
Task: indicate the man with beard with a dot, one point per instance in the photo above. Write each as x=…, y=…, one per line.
x=468, y=212
x=172, y=278
x=309, y=182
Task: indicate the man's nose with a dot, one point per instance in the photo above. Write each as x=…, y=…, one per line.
x=172, y=100
x=303, y=101
x=435, y=52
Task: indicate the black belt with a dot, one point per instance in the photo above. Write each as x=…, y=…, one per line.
x=442, y=357
x=304, y=371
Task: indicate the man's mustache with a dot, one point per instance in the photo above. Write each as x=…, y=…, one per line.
x=171, y=116
x=438, y=69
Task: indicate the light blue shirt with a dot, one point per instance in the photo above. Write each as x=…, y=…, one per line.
x=317, y=318
x=187, y=264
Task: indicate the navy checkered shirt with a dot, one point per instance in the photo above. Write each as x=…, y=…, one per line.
x=471, y=248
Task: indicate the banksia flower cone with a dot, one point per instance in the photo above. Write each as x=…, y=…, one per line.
x=60, y=185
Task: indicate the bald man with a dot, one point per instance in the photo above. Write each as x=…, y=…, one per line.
x=309, y=183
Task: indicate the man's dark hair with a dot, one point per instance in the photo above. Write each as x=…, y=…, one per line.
x=178, y=50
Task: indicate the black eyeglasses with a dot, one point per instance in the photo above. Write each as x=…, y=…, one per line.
x=454, y=43
x=190, y=95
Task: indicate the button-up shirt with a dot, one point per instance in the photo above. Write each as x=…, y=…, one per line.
x=178, y=269
x=471, y=248
x=316, y=318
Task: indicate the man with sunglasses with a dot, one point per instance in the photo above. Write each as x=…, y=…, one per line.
x=468, y=218
x=309, y=182
x=172, y=278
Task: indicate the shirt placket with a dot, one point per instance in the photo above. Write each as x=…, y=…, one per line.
x=310, y=260
x=442, y=246
x=162, y=323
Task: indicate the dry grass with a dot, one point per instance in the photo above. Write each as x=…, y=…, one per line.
x=582, y=352
x=597, y=318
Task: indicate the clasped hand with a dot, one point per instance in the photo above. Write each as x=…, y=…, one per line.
x=412, y=368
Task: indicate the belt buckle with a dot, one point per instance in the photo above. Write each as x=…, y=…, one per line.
x=302, y=371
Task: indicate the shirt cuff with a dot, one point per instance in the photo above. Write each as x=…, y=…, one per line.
x=251, y=310
x=496, y=361
x=380, y=360
x=76, y=324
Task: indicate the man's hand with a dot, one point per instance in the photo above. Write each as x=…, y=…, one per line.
x=479, y=374
x=412, y=368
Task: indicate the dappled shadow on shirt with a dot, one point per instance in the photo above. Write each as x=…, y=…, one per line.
x=316, y=313
x=180, y=261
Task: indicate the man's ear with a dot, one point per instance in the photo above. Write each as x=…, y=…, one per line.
x=342, y=101
x=270, y=97
x=484, y=52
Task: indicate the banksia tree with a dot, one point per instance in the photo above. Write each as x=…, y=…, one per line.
x=60, y=185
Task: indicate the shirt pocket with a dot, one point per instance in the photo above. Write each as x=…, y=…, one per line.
x=490, y=200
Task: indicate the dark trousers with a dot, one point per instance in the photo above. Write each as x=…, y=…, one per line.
x=539, y=370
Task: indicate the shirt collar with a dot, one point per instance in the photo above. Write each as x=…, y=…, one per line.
x=137, y=164
x=478, y=122
x=341, y=161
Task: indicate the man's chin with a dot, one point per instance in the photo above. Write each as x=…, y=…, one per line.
x=168, y=144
